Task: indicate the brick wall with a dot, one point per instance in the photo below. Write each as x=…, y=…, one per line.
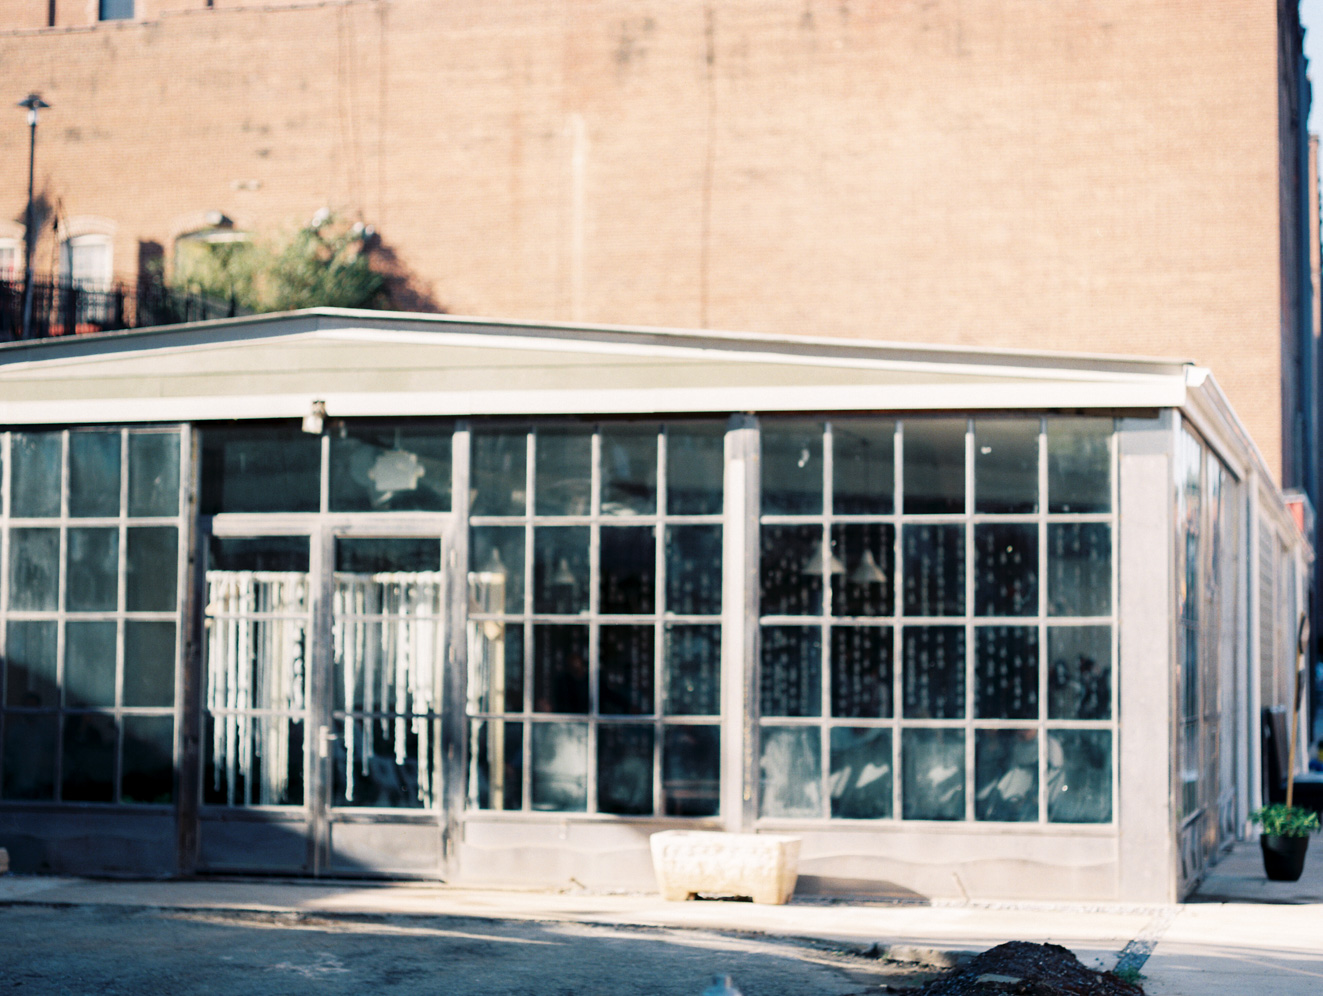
x=1085, y=175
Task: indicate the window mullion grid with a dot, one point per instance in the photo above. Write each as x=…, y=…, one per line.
x=121, y=605
x=1042, y=619
x=659, y=629
x=6, y=472
x=594, y=615
x=824, y=625
x=1113, y=717
x=897, y=607
x=60, y=614
x=968, y=712
x=530, y=499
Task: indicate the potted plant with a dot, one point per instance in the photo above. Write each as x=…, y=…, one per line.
x=1284, y=839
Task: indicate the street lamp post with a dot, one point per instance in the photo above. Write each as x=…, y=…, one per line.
x=33, y=103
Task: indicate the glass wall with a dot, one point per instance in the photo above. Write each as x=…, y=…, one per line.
x=595, y=593
x=91, y=595
x=937, y=623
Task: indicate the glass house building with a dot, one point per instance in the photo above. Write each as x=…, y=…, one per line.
x=353, y=594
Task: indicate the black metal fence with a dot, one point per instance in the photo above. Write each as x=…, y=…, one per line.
x=71, y=309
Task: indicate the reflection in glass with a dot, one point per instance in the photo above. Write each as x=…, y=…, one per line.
x=265, y=554
x=496, y=764
x=153, y=473
x=88, y=758
x=792, y=570
x=385, y=762
x=866, y=551
x=34, y=569
x=932, y=766
x=629, y=469
x=860, y=778
x=934, y=570
x=1006, y=775
x=29, y=771
x=35, y=479
x=152, y=558
x=625, y=670
x=496, y=666
x=148, y=763
x=1079, y=465
x=1006, y=465
x=1006, y=672
x=89, y=664
x=695, y=468
x=253, y=760
x=1006, y=569
x=863, y=467
x=693, y=570
x=560, y=668
x=1079, y=569
x=791, y=467
x=260, y=469
x=564, y=471
x=624, y=770
x=390, y=469
x=1079, y=776
x=92, y=580
x=498, y=472
x=693, y=670
x=628, y=569
x=934, y=466
x=149, y=663
x=256, y=639
x=93, y=474
x=30, y=659
x=496, y=577
x=393, y=555
x=691, y=770
x=559, y=767
x=861, y=672
x=560, y=569
x=933, y=678
x=1079, y=677
x=790, y=772
x=791, y=671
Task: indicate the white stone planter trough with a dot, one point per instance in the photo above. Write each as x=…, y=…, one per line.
x=762, y=866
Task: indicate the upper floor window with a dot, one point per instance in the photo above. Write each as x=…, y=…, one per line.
x=116, y=10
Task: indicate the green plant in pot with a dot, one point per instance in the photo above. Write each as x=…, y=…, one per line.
x=1284, y=839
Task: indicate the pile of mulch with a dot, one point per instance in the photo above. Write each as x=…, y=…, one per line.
x=1026, y=969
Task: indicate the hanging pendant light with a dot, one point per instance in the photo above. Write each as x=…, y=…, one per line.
x=563, y=575
x=819, y=563
x=867, y=571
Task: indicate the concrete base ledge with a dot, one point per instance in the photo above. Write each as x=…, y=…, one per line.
x=693, y=862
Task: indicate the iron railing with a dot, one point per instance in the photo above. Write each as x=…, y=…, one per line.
x=60, y=308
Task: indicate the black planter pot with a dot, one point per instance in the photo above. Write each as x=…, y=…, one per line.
x=1284, y=857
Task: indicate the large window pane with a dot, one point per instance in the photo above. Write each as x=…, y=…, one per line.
x=693, y=570
x=1079, y=465
x=624, y=770
x=559, y=767
x=560, y=669
x=35, y=478
x=153, y=473
x=934, y=570
x=693, y=670
x=260, y=469
x=863, y=467
x=89, y=759
x=149, y=663
x=498, y=472
x=695, y=468
x=564, y=471
x=932, y=774
x=391, y=469
x=934, y=466
x=30, y=651
x=92, y=581
x=89, y=664
x=933, y=679
x=691, y=770
x=560, y=569
x=496, y=579
x=628, y=570
x=1006, y=569
x=860, y=779
x=793, y=566
x=791, y=772
x=385, y=763
x=1079, y=677
x=152, y=558
x=791, y=671
x=792, y=479
x=496, y=759
x=1079, y=776
x=1006, y=672
x=29, y=756
x=861, y=672
x=1006, y=775
x=93, y=474
x=629, y=469
x=276, y=554
x=34, y=569
x=626, y=665
x=1079, y=569
x=496, y=666
x=1006, y=465
x=253, y=761
x=148, y=768
x=867, y=554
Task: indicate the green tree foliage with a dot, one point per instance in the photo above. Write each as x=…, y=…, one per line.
x=323, y=264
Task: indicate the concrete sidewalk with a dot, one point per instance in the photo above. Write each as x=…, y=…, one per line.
x=1239, y=934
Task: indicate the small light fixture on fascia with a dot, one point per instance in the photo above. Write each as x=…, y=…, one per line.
x=315, y=420
x=820, y=562
x=867, y=571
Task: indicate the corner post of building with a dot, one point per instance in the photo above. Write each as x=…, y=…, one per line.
x=455, y=672
x=188, y=702
x=739, y=641
x=1147, y=832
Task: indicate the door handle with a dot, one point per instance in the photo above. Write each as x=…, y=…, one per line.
x=324, y=738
